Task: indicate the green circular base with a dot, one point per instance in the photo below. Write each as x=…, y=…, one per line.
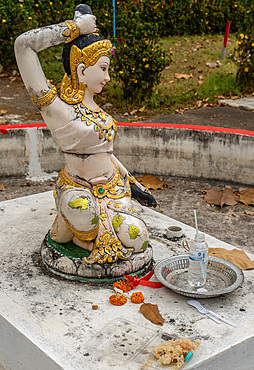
x=66, y=260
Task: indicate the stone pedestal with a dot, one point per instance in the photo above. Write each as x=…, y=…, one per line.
x=66, y=260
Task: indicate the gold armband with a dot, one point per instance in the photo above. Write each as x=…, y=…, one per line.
x=131, y=178
x=47, y=97
x=72, y=31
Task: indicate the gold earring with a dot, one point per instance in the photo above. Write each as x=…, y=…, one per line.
x=72, y=93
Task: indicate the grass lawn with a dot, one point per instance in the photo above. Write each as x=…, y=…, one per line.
x=199, y=85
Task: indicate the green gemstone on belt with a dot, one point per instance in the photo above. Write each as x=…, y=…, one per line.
x=101, y=190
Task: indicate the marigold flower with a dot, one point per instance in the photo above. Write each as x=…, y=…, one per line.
x=147, y=65
x=124, y=285
x=117, y=300
x=242, y=35
x=246, y=69
x=137, y=297
x=3, y=20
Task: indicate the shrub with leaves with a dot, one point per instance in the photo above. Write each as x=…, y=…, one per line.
x=18, y=16
x=139, y=59
x=243, y=54
x=244, y=58
x=15, y=18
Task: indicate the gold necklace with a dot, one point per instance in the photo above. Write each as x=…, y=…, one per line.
x=90, y=116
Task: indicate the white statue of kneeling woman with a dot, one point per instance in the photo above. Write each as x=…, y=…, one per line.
x=93, y=193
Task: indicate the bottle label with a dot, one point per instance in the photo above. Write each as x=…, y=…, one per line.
x=198, y=257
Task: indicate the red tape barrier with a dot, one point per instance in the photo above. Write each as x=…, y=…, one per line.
x=4, y=128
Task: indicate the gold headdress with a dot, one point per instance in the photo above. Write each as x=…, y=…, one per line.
x=71, y=91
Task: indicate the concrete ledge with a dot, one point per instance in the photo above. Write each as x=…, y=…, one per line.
x=190, y=151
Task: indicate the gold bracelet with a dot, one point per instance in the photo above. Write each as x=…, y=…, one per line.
x=72, y=31
x=47, y=97
x=131, y=178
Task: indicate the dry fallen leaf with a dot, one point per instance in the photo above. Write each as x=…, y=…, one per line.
x=249, y=212
x=2, y=188
x=142, y=109
x=212, y=65
x=246, y=196
x=133, y=112
x=236, y=256
x=151, y=312
x=151, y=182
x=184, y=76
x=220, y=198
x=3, y=111
x=4, y=122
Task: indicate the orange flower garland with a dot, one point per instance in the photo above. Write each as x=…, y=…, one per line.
x=137, y=297
x=124, y=285
x=117, y=300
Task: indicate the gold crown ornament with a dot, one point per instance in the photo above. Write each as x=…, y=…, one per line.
x=71, y=91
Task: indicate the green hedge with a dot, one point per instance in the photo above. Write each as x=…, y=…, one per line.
x=134, y=20
x=170, y=17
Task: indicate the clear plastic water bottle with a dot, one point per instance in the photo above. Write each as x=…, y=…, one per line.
x=198, y=259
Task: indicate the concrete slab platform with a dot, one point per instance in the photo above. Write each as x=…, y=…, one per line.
x=49, y=323
x=244, y=103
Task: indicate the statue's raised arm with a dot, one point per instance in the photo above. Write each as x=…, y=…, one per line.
x=30, y=43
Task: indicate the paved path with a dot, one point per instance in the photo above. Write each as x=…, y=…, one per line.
x=245, y=103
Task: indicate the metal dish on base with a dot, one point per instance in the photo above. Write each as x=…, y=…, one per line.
x=222, y=276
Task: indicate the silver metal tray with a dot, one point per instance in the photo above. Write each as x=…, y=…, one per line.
x=222, y=276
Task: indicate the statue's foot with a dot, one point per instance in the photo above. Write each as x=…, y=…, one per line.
x=108, y=249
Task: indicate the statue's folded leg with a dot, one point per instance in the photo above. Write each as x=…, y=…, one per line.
x=78, y=218
x=128, y=226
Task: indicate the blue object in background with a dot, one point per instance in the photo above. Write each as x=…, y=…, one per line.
x=114, y=20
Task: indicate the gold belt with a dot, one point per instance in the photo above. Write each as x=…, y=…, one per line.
x=100, y=190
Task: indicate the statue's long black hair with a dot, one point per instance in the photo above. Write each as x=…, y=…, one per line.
x=81, y=41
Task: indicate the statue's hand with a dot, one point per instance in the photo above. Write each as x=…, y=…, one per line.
x=143, y=195
x=85, y=22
